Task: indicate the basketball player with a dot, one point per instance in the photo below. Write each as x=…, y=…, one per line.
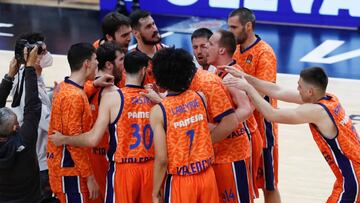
x=147, y=36
x=70, y=172
x=332, y=129
x=183, y=147
x=111, y=61
x=125, y=113
x=233, y=167
x=257, y=58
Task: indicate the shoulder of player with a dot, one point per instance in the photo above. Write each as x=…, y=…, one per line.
x=110, y=94
x=263, y=47
x=313, y=111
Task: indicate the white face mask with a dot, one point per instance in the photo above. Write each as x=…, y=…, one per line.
x=46, y=60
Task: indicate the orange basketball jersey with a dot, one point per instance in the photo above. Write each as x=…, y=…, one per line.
x=188, y=139
x=237, y=145
x=341, y=153
x=131, y=137
x=97, y=154
x=97, y=43
x=218, y=104
x=149, y=77
x=70, y=115
x=259, y=60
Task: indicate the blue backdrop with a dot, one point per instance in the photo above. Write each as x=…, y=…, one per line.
x=344, y=13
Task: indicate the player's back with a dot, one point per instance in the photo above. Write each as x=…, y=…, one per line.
x=133, y=134
x=188, y=139
x=341, y=153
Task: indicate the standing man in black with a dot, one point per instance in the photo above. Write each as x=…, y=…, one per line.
x=19, y=169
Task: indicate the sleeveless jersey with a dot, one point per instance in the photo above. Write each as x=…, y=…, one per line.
x=259, y=60
x=341, y=153
x=237, y=145
x=188, y=140
x=131, y=137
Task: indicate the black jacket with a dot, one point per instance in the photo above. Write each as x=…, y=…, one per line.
x=19, y=169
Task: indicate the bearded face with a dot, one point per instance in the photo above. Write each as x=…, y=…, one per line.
x=148, y=31
x=154, y=39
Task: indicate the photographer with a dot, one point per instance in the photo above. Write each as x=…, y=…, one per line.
x=19, y=170
x=44, y=60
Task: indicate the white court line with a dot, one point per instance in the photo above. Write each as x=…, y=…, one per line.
x=166, y=34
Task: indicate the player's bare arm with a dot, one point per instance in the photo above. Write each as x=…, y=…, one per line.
x=160, y=162
x=244, y=109
x=108, y=109
x=265, y=87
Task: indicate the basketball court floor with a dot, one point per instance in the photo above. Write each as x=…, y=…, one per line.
x=304, y=175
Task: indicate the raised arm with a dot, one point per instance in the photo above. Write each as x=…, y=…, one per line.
x=32, y=109
x=274, y=91
x=305, y=113
x=244, y=109
x=265, y=87
x=7, y=82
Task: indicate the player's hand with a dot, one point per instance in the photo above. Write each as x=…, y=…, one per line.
x=151, y=94
x=239, y=83
x=233, y=71
x=157, y=198
x=93, y=187
x=104, y=81
x=58, y=139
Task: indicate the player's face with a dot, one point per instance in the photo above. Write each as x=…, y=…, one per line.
x=148, y=31
x=237, y=29
x=200, y=49
x=304, y=91
x=213, y=50
x=123, y=36
x=119, y=66
x=92, y=66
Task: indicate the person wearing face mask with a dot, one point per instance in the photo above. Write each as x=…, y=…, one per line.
x=43, y=60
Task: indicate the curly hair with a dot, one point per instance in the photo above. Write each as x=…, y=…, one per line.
x=173, y=69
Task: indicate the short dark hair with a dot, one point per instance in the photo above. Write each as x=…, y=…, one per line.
x=228, y=41
x=245, y=15
x=107, y=52
x=201, y=32
x=173, y=69
x=315, y=76
x=134, y=61
x=78, y=53
x=7, y=119
x=112, y=22
x=136, y=16
x=32, y=37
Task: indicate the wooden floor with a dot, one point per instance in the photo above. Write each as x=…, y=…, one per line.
x=304, y=175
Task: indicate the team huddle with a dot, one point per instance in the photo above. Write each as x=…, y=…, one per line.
x=148, y=125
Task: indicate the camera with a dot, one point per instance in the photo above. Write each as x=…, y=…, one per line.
x=21, y=44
